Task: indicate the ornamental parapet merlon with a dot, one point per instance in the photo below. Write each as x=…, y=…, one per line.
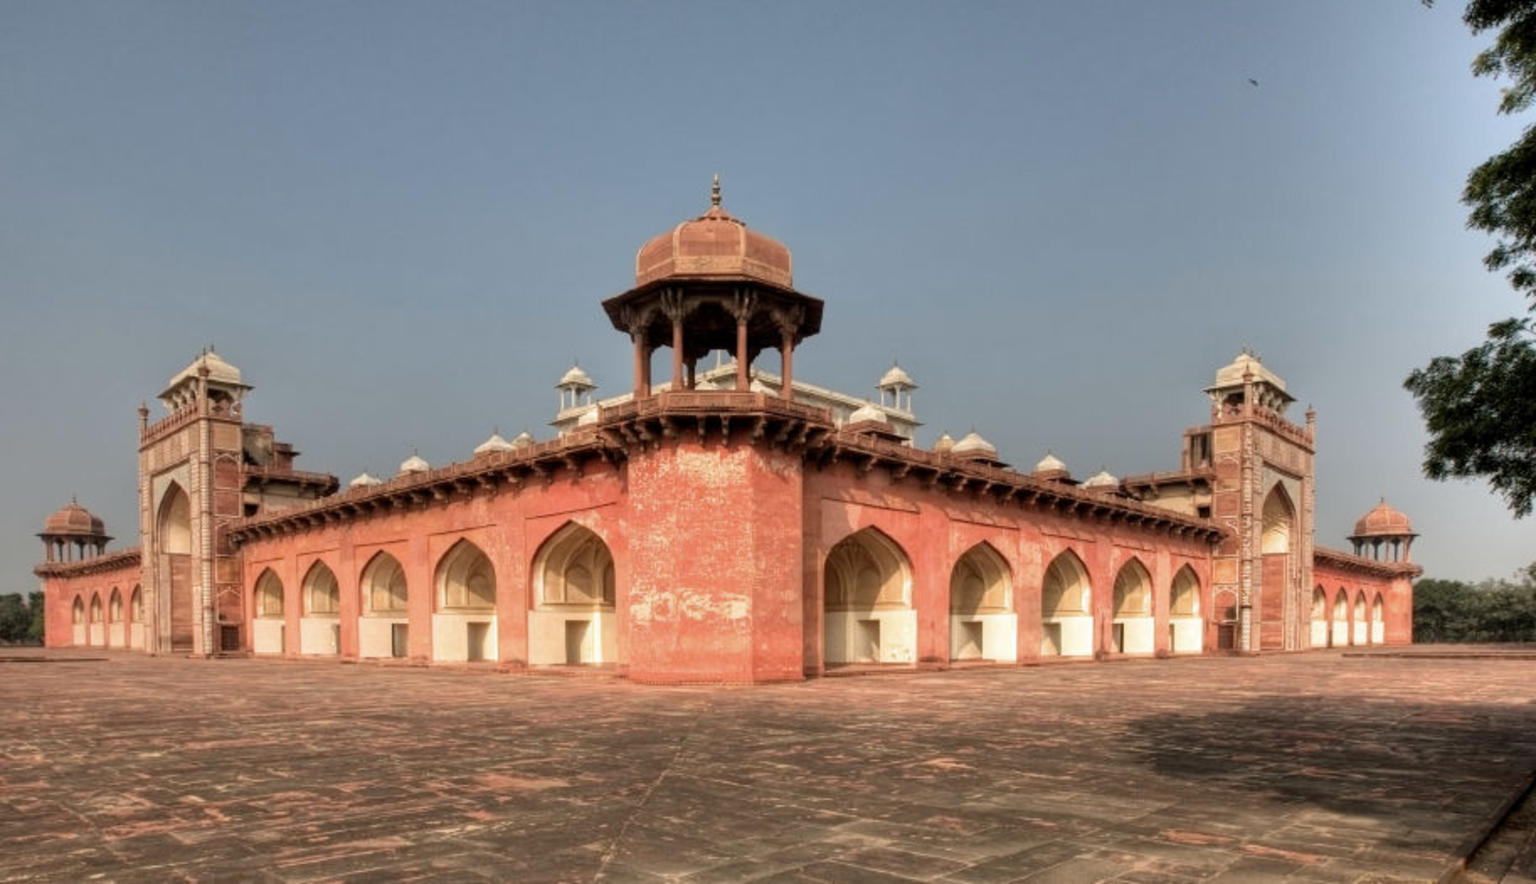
x=112, y=561
x=960, y=475
x=1337, y=558
x=1269, y=419
x=186, y=416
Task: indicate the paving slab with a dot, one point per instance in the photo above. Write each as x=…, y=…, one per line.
x=1304, y=767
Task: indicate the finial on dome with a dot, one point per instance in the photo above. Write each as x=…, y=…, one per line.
x=714, y=192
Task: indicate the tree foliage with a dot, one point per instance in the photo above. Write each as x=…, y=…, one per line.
x=21, y=618
x=1478, y=407
x=1489, y=611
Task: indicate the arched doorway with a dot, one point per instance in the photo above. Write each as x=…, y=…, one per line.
x=1341, y=619
x=320, y=626
x=267, y=626
x=384, y=629
x=574, y=595
x=78, y=634
x=98, y=635
x=868, y=602
x=1279, y=571
x=1361, y=634
x=464, y=625
x=982, y=624
x=117, y=632
x=1186, y=629
x=136, y=611
x=1131, y=629
x=1378, y=624
x=173, y=549
x=1320, y=636
x=1066, y=608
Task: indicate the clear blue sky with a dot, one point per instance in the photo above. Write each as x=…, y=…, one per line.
x=399, y=219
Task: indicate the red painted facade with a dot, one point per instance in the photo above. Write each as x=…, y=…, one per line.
x=695, y=536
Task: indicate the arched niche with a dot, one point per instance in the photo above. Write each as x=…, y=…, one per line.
x=575, y=586
x=1321, y=637
x=1340, y=632
x=1066, y=608
x=1279, y=517
x=117, y=635
x=1131, y=622
x=1378, y=623
x=1361, y=634
x=868, y=601
x=384, y=628
x=982, y=623
x=98, y=633
x=173, y=565
x=136, y=624
x=463, y=626
x=1186, y=629
x=320, y=594
x=78, y=626
x=268, y=629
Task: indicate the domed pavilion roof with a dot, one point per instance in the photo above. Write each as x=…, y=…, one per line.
x=74, y=519
x=715, y=243
x=896, y=376
x=972, y=444
x=1383, y=521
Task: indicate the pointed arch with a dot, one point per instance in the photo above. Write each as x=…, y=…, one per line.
x=268, y=596
x=1341, y=606
x=867, y=601
x=1319, y=604
x=1186, y=631
x=1360, y=632
x=1184, y=594
x=77, y=611
x=95, y=610
x=321, y=592
x=866, y=571
x=1066, y=608
x=981, y=582
x=1279, y=517
x=1066, y=589
x=115, y=606
x=574, y=569
x=136, y=604
x=383, y=586
x=1133, y=590
x=1378, y=624
x=173, y=564
x=466, y=580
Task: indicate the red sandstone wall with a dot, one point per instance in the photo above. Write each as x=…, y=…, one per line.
x=935, y=527
x=508, y=525
x=1396, y=595
x=714, y=538
x=59, y=594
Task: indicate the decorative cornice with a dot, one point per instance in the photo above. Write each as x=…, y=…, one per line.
x=113, y=561
x=1336, y=558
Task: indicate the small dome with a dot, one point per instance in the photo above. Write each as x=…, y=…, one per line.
x=714, y=244
x=896, y=377
x=867, y=412
x=944, y=443
x=522, y=440
x=1050, y=464
x=493, y=445
x=365, y=480
x=1246, y=363
x=575, y=377
x=414, y=464
x=1383, y=521
x=973, y=444
x=1101, y=479
x=74, y=519
x=219, y=371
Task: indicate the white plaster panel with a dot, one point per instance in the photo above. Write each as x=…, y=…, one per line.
x=1188, y=635
x=1137, y=635
x=77, y=638
x=1319, y=633
x=374, y=636
x=1340, y=633
x=115, y=635
x=317, y=635
x=846, y=642
x=136, y=635
x=267, y=635
x=999, y=637
x=547, y=631
x=97, y=635
x=450, y=637
x=1076, y=636
x=1360, y=633
x=1378, y=633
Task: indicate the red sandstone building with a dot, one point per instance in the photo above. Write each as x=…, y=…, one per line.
x=847, y=545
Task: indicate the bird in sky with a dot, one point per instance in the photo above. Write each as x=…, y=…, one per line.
x=1252, y=81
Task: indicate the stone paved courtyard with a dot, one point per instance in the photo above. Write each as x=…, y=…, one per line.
x=1313, y=767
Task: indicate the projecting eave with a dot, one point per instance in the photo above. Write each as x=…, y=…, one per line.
x=621, y=305
x=113, y=561
x=1336, y=558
